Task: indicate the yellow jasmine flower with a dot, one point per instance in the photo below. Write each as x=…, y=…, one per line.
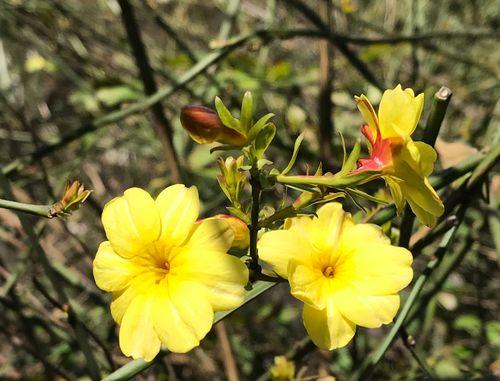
x=405, y=164
x=168, y=274
x=345, y=274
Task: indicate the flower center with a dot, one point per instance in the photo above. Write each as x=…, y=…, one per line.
x=329, y=271
x=166, y=267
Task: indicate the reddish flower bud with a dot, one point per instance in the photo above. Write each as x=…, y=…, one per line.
x=204, y=126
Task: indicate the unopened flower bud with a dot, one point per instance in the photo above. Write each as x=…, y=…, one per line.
x=240, y=229
x=204, y=126
x=73, y=196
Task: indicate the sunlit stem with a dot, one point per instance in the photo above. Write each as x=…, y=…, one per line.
x=331, y=181
x=37, y=210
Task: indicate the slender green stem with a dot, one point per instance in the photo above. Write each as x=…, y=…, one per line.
x=37, y=210
x=331, y=181
x=410, y=345
x=436, y=116
x=440, y=279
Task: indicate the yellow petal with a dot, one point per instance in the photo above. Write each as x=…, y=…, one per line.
x=327, y=328
x=111, y=271
x=278, y=247
x=422, y=198
x=419, y=156
x=308, y=284
x=423, y=216
x=399, y=108
x=376, y=269
x=181, y=315
x=137, y=335
x=179, y=208
x=122, y=299
x=368, y=113
x=366, y=232
x=222, y=276
x=326, y=229
x=367, y=310
x=428, y=157
x=396, y=192
x=131, y=222
x=212, y=234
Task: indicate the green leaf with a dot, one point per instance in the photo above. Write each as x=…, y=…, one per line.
x=263, y=139
x=246, y=111
x=350, y=164
x=294, y=154
x=254, y=131
x=226, y=117
x=223, y=148
x=366, y=196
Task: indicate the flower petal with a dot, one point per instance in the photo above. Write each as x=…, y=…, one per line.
x=328, y=328
x=367, y=310
x=181, y=315
x=137, y=335
x=178, y=208
x=326, y=229
x=222, y=276
x=131, y=221
x=419, y=156
x=111, y=271
x=399, y=108
x=308, y=284
x=123, y=298
x=376, y=269
x=369, y=115
x=213, y=234
x=367, y=232
x=278, y=247
x=423, y=199
x=394, y=185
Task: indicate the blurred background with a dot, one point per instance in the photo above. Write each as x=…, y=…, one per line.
x=75, y=77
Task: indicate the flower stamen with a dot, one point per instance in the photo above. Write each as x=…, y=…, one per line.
x=329, y=271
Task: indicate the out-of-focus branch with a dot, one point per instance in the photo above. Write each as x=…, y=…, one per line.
x=325, y=105
x=163, y=93
x=161, y=124
x=341, y=44
x=227, y=354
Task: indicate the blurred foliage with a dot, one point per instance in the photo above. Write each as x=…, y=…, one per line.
x=65, y=63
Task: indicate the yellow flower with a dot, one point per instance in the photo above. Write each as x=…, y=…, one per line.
x=283, y=369
x=345, y=274
x=168, y=274
x=405, y=164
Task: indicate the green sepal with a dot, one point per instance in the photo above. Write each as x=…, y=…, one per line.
x=226, y=117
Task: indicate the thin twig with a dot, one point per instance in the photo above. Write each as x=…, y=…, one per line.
x=325, y=105
x=227, y=354
x=162, y=125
